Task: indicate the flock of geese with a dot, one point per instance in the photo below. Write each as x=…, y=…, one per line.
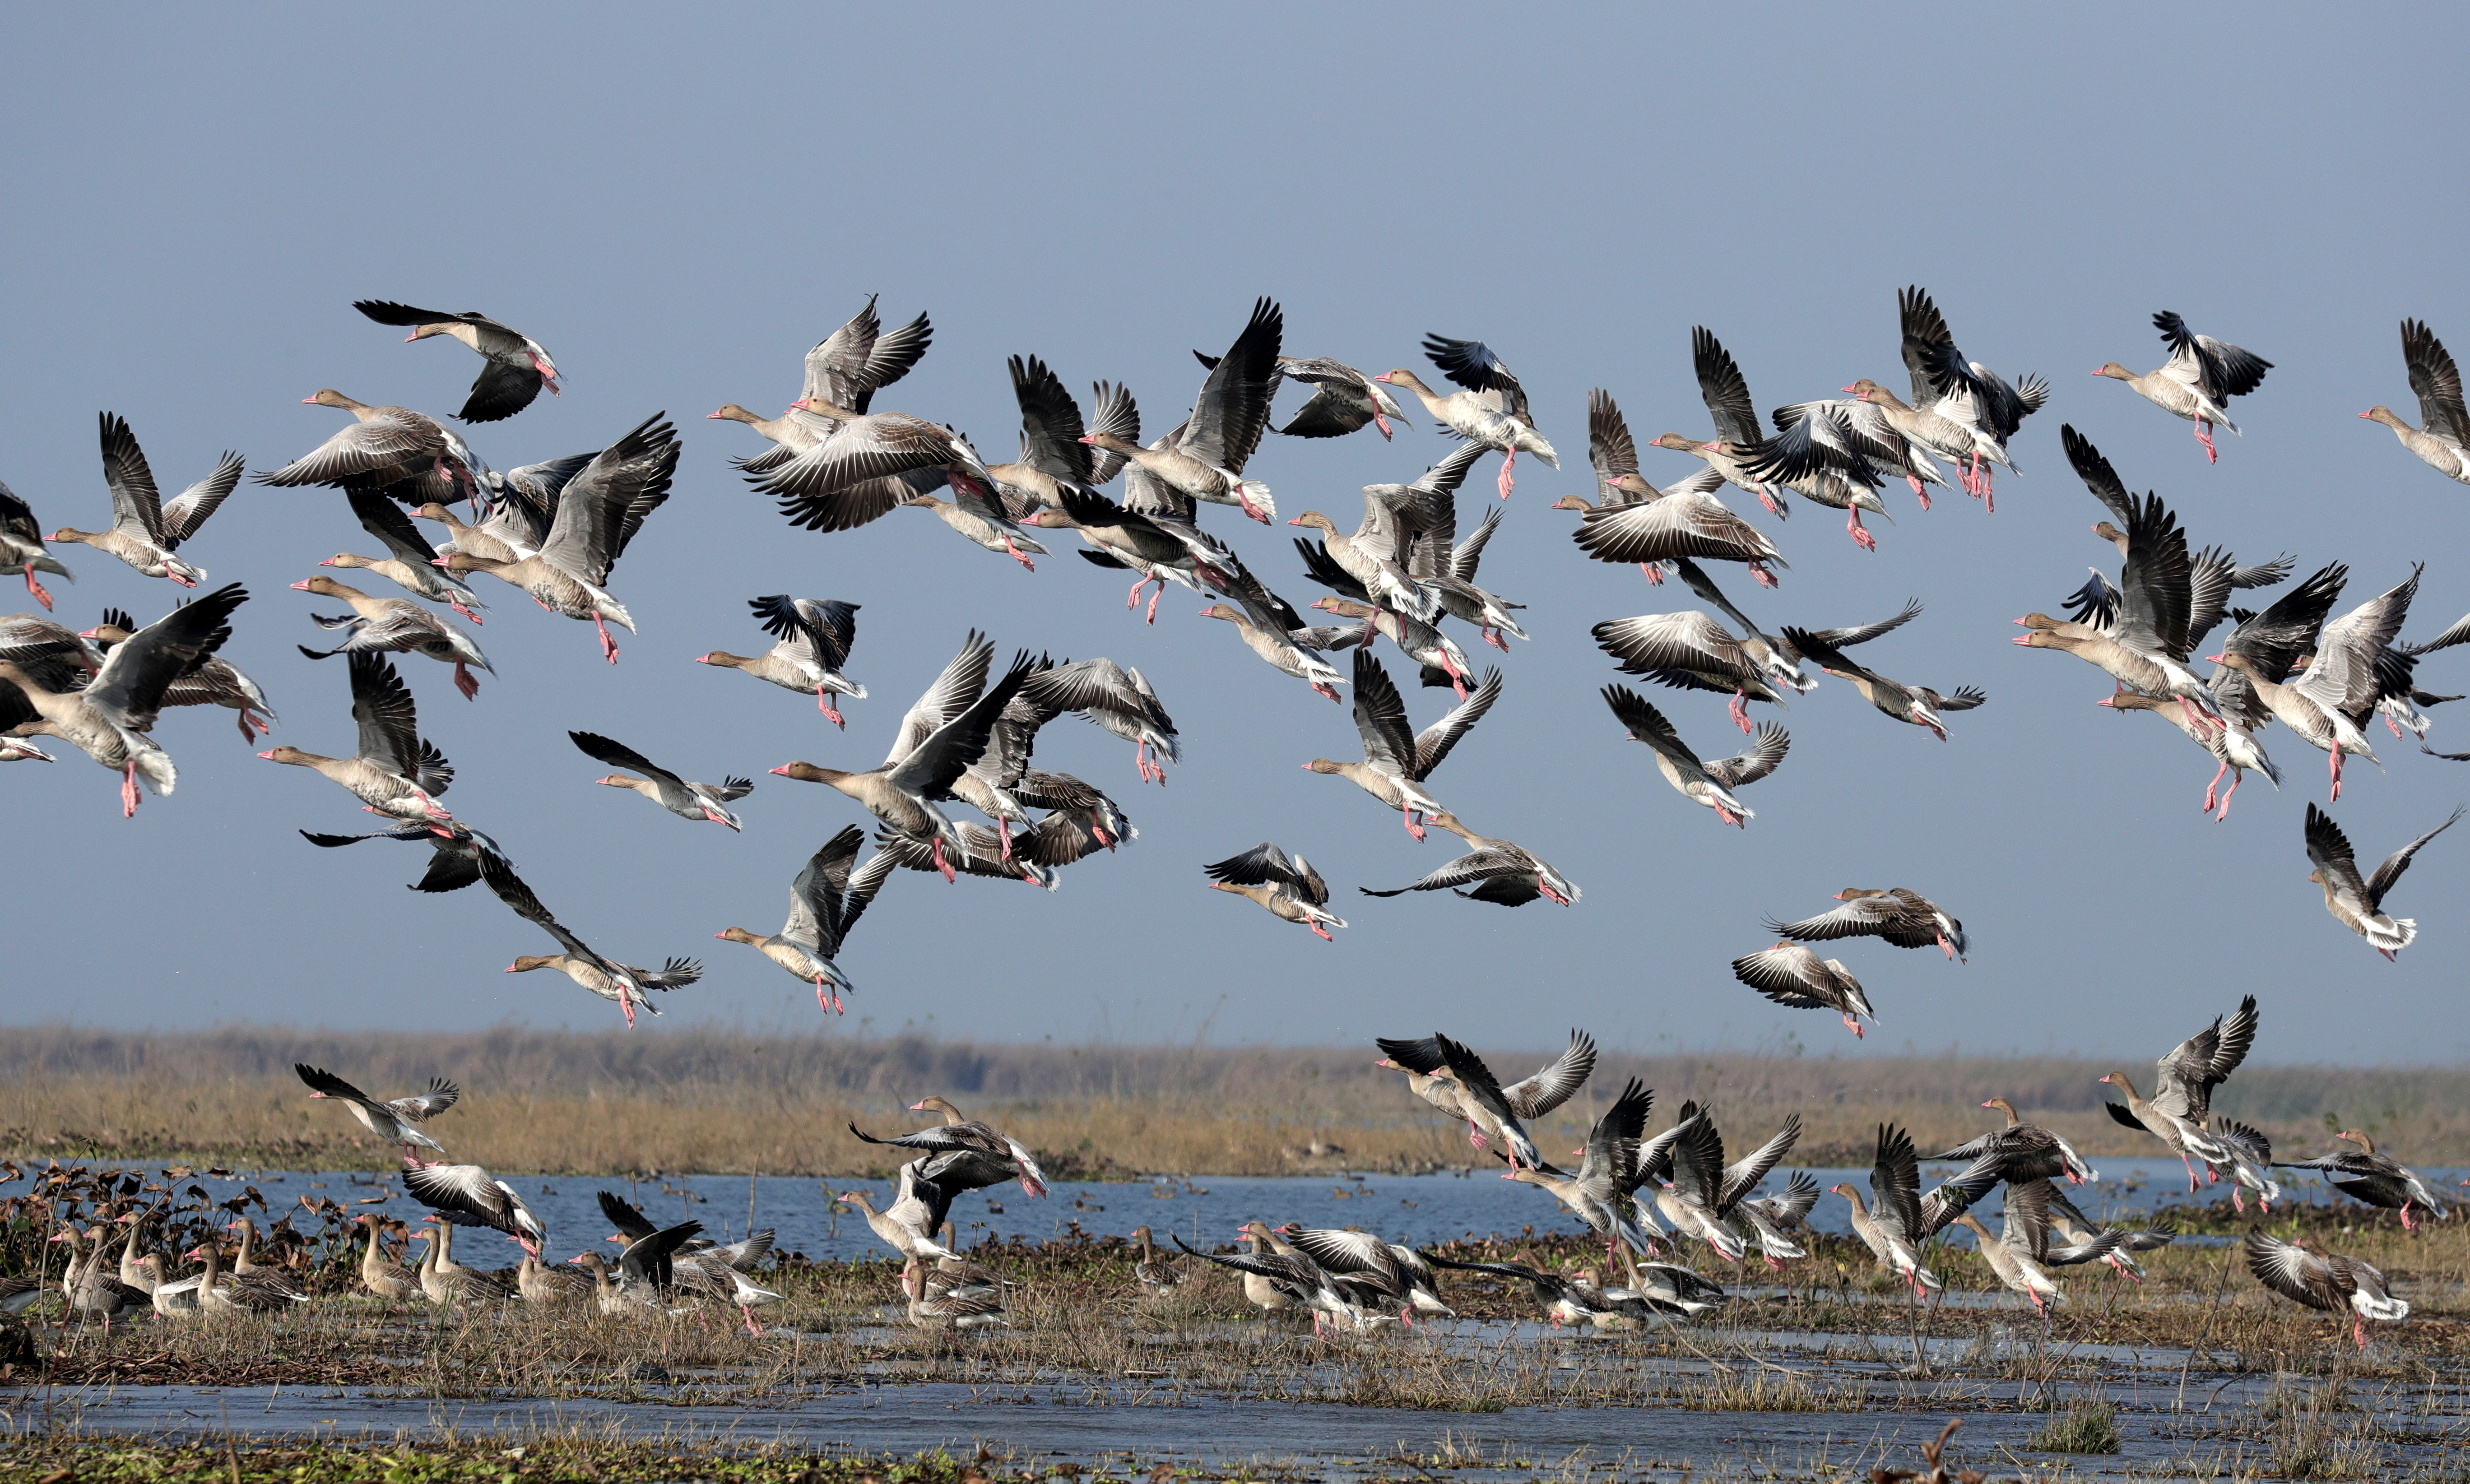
x=1408, y=571
x=1649, y=1197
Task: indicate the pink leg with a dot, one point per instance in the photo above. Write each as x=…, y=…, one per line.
x=1760, y=573
x=128, y=789
x=1320, y=932
x=939, y=864
x=2191, y=1173
x=1654, y=572
x=2337, y=773
x=1492, y=637
x=1407, y=813
x=1948, y=949
x=1155, y=593
x=1382, y=423
x=456, y=604
x=2359, y=1330
x=464, y=682
x=1323, y=687
x=2225, y=797
x=1133, y=600
x=1251, y=510
x=1729, y=816
x=1476, y=1137
x=2209, y=798
x=2392, y=726
x=626, y=1003
x=36, y=589
x=1853, y=1026
x=1017, y=556
x=2237, y=1203
x=608, y=646
x=1509, y=481
x=1740, y=713
x=823, y=704
x=1003, y=832
x=1769, y=500
x=2405, y=1217
x=2204, y=436
x=1860, y=533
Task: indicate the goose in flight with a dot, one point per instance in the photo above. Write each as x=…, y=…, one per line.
x=516, y=366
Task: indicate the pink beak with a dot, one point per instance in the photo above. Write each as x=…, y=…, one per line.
x=709, y=416
x=2366, y=414
x=1091, y=438
x=308, y=401
x=270, y=756
x=303, y=585
x=328, y=561
x=2214, y=658
x=1298, y=521
x=782, y=770
x=1385, y=377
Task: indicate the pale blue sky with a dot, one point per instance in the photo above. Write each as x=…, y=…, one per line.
x=679, y=202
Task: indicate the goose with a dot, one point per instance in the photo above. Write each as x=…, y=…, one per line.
x=1360, y=1267
x=2272, y=641
x=516, y=366
x=1918, y=706
x=607, y=978
x=1501, y=871
x=2023, y=1152
x=825, y=902
x=220, y=1292
x=107, y=720
x=382, y=1276
x=88, y=1289
x=1157, y=548
x=1963, y=392
x=699, y=1264
x=396, y=772
x=1691, y=650
x=1449, y=1070
x=1351, y=1253
x=2071, y=1225
x=473, y=1191
x=1491, y=412
x=645, y=1270
x=814, y=637
x=865, y=450
x=1155, y=1277
x=944, y=732
x=145, y=532
x=1899, y=1227
x=2233, y=745
x=2359, y=904
x=2183, y=1087
x=1837, y=454
x=2365, y=1175
x=945, y=1311
x=2329, y=1282
x=1738, y=431
x=1683, y=520
x=393, y=1121
x=1375, y=554
x=2198, y=379
x=1707, y=784
x=1573, y=1300
x=1051, y=455
x=1613, y=453
x=846, y=368
x=1398, y=763
x=1294, y=1276
x=1273, y=645
x=687, y=800
x=384, y=447
x=1797, y=979
x=1693, y=1144
x=410, y=562
x=1905, y=918
x=1283, y=885
x=1774, y=658
x=1771, y=1217
x=2328, y=704
x=1419, y=640
x=1204, y=458
x=216, y=682
x=551, y=1286
x=455, y=859
x=21, y=547
x=2249, y=1165
x=395, y=626
x=2442, y=438
x=513, y=528
x=597, y=514
x=444, y=1281
x=957, y=1132
x=1694, y=1199
x=2021, y=1255
x=1343, y=401
x=1032, y=857
x=1116, y=700
x=909, y=1225
x=1441, y=563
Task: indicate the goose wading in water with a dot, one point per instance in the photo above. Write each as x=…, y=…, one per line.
x=2357, y=904
x=2198, y=379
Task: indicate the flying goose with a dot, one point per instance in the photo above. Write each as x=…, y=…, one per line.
x=970, y=1135
x=814, y=637
x=2023, y=1152
x=1342, y=399
x=1116, y=700
x=686, y=799
x=2183, y=1090
x=621, y=983
x=1905, y=918
x=409, y=454
x=1709, y=783
x=1599, y=1192
x=1738, y=435
x=1837, y=452
x=395, y=773
x=1501, y=871
x=410, y=562
x=2365, y=1175
x=475, y=1192
x=1051, y=455
x=1277, y=646
x=216, y=681
x=1685, y=520
x=1797, y=979
x=393, y=1121
x=1397, y=762
x=1901, y=1225
x=456, y=851
x=2328, y=704
x=145, y=532
x=1965, y=392
x=2331, y=1282
x=1402, y=1271
x=516, y=366
x=2359, y=904
x=1491, y=412
x=1918, y=706
x=395, y=626
x=1284, y=885
x=1449, y=1069
x=2021, y=1255
x=1204, y=459
x=2198, y=379
x=21, y=547
x=826, y=900
x=2442, y=438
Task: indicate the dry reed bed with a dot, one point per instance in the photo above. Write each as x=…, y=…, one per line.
x=712, y=1101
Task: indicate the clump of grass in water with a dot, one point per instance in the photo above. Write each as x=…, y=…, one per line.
x=2085, y=1428
x=1751, y=1391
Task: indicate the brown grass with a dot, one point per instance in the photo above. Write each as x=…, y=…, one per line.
x=712, y=1101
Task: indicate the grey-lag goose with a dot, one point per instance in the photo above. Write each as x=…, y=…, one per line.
x=517, y=369
x=2021, y=1255
x=2359, y=904
x=687, y=800
x=1491, y=412
x=216, y=682
x=1899, y=1228
x=1156, y=1277
x=957, y=1132
x=1917, y=705
x=1342, y=399
x=2023, y=1152
x=1053, y=459
x=1276, y=646
x=2331, y=1283
x=2271, y=642
x=1283, y=885
x=1671, y=1293
x=1904, y=918
x=1114, y=700
x=1402, y=1271
x=410, y=562
x=2372, y=1178
x=410, y=454
x=395, y=773
x=1444, y=564
x=1444, y=663
x=473, y=1191
x=597, y=514
x=826, y=900
x=1599, y=1192
x=1397, y=762
x=1738, y=435
x=2442, y=438
x=1450, y=1076
x=1709, y=784
x=145, y=533
x=815, y=635
x=1837, y=454
x=1500, y=872
x=395, y=1121
x=21, y=547
x=2329, y=706
x=382, y=1276
x=623, y=984
x=1286, y=1270
x=2183, y=1087
x=395, y=626
x=1683, y=520
x=1204, y=458
x=108, y=718
x=1798, y=979
x=455, y=854
x=1966, y=393
x=2198, y=379
x=1155, y=547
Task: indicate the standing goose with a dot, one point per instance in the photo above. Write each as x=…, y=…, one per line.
x=393, y=1121
x=1709, y=783
x=21, y=547
x=386, y=448
x=2375, y=1179
x=1204, y=458
x=686, y=799
x=1501, y=871
x=2198, y=379
x=395, y=626
x=1286, y=886
x=943, y=734
x=2442, y=438
x=1491, y=1110
x=815, y=635
x=1918, y=706
x=2329, y=705
x=382, y=1276
x=1965, y=392
x=395, y=773
x=1902, y=1225
x=1904, y=918
x=825, y=902
x=2359, y=904
x=473, y=1191
x=1396, y=760
x=1797, y=979
x=2331, y=1283
x=1492, y=411
x=970, y=1135
x=412, y=563
x=218, y=682
x=145, y=532
x=1157, y=1278
x=2183, y=1090
x=2023, y=1152
x=598, y=512
x=107, y=720
x=517, y=369
x=621, y=983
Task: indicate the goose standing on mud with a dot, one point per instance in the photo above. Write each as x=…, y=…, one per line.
x=1709, y=783
x=686, y=799
x=1491, y=412
x=1284, y=885
x=1798, y=979
x=393, y=1121
x=1398, y=763
x=517, y=369
x=2372, y=1178
x=145, y=532
x=2359, y=904
x=2442, y=438
x=1451, y=1076
x=2198, y=379
x=21, y=547
x=2331, y=1283
x=825, y=902
x=1904, y=918
x=815, y=635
